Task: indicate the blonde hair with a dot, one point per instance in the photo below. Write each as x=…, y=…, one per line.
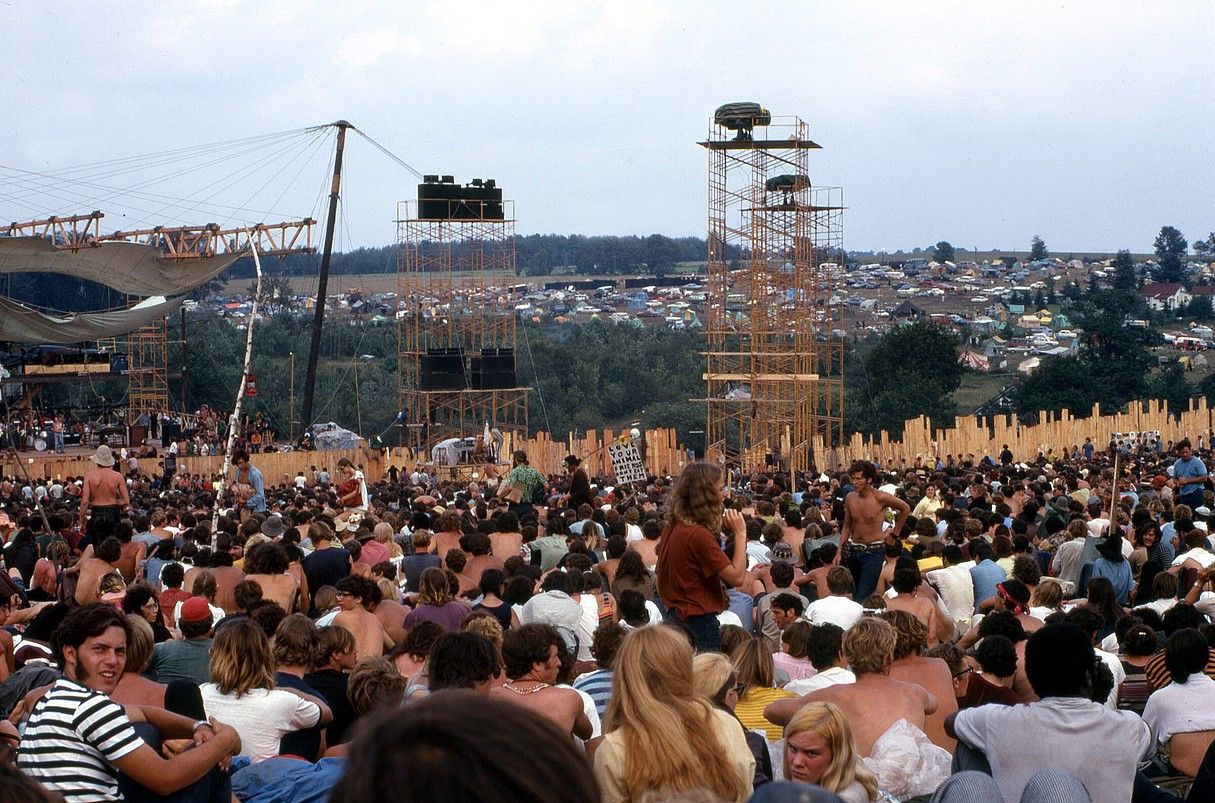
x=140, y=643
x=710, y=672
x=383, y=534
x=1048, y=594
x=241, y=658
x=666, y=728
x=695, y=499
x=869, y=645
x=753, y=664
x=827, y=721
x=486, y=625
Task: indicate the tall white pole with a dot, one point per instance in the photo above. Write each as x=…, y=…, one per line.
x=234, y=419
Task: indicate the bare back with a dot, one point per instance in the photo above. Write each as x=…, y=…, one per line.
x=391, y=615
x=505, y=545
x=104, y=486
x=226, y=579
x=367, y=630
x=560, y=706
x=874, y=703
x=933, y=676
x=647, y=549
x=281, y=588
x=91, y=572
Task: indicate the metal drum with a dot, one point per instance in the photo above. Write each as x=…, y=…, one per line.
x=40, y=444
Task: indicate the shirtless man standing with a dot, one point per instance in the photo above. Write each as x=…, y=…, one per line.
x=104, y=495
x=875, y=701
x=862, y=544
x=370, y=640
x=532, y=657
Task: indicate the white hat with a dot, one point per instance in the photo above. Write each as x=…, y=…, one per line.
x=103, y=456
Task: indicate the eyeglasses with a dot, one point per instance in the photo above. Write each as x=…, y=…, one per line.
x=342, y=594
x=739, y=688
x=966, y=671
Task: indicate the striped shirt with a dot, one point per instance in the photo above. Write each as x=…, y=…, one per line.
x=598, y=685
x=72, y=740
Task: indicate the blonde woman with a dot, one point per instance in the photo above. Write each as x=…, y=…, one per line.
x=716, y=682
x=662, y=738
x=756, y=686
x=819, y=749
x=381, y=547
x=243, y=694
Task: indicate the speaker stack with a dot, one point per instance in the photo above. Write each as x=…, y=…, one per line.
x=442, y=369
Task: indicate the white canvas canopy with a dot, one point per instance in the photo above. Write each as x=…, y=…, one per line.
x=22, y=324
x=133, y=268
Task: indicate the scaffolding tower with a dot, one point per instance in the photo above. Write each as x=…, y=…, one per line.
x=456, y=310
x=775, y=359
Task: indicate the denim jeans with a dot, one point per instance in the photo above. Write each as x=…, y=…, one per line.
x=705, y=629
x=865, y=567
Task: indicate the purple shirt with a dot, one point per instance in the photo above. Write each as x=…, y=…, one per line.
x=450, y=615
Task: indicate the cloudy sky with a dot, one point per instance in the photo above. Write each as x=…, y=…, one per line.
x=1089, y=124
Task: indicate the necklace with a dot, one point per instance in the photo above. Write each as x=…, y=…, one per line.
x=524, y=692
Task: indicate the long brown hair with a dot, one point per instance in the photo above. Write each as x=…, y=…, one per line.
x=241, y=658
x=695, y=498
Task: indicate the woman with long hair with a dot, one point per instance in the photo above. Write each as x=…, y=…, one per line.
x=661, y=736
x=691, y=563
x=716, y=681
x=1046, y=599
x=756, y=686
x=1101, y=600
x=819, y=749
x=632, y=575
x=436, y=602
x=242, y=692
x=381, y=547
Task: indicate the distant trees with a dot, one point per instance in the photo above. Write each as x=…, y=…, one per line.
x=1170, y=246
x=911, y=371
x=1124, y=271
x=943, y=252
x=1205, y=249
x=1037, y=249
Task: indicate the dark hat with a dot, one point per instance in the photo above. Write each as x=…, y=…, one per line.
x=1111, y=548
x=572, y=460
x=195, y=609
x=274, y=527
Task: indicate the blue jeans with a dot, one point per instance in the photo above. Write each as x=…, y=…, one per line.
x=59, y=443
x=705, y=629
x=865, y=567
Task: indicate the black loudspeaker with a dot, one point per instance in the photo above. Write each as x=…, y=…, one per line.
x=169, y=432
x=442, y=369
x=494, y=369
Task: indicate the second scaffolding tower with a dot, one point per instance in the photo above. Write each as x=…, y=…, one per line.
x=775, y=359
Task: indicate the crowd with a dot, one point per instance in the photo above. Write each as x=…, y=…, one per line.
x=974, y=630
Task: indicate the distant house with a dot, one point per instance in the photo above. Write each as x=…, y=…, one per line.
x=1163, y=296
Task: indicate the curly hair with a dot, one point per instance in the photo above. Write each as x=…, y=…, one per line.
x=695, y=499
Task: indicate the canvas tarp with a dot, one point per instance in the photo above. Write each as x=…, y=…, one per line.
x=135, y=269
x=21, y=324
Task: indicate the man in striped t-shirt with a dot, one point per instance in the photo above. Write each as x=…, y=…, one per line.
x=77, y=739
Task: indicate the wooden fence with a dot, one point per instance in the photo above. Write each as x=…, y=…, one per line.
x=1054, y=433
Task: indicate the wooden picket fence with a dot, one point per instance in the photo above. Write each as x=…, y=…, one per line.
x=1054, y=434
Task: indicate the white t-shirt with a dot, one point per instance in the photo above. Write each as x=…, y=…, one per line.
x=1181, y=708
x=828, y=677
x=1104, y=748
x=262, y=717
x=839, y=611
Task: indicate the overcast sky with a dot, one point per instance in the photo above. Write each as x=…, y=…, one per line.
x=1089, y=124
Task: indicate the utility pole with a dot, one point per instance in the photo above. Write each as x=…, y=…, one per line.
x=322, y=286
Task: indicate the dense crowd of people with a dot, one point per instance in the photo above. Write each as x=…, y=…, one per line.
x=973, y=630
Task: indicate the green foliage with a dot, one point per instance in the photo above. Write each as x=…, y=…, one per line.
x=911, y=370
x=1170, y=246
x=943, y=252
x=1116, y=355
x=1199, y=309
x=1037, y=249
x=1124, y=271
x=1205, y=249
x=1058, y=383
x=1170, y=383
